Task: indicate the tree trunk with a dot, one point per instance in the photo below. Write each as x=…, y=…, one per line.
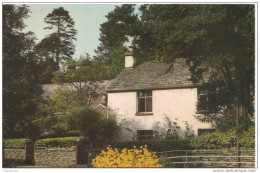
x=58, y=46
x=237, y=114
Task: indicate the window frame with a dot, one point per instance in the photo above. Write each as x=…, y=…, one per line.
x=146, y=137
x=202, y=131
x=202, y=92
x=210, y=106
x=145, y=97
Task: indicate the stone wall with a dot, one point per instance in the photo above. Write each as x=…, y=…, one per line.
x=14, y=156
x=228, y=155
x=56, y=157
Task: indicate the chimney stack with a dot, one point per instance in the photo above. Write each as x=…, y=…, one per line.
x=129, y=58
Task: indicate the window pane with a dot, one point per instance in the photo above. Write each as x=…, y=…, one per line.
x=149, y=104
x=202, y=104
x=141, y=104
x=144, y=134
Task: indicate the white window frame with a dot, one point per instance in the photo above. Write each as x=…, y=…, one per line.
x=145, y=97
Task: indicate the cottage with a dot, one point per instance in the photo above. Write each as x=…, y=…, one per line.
x=155, y=100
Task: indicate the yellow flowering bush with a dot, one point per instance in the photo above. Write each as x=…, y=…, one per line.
x=127, y=158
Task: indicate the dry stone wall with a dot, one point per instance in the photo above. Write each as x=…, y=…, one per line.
x=56, y=157
x=14, y=156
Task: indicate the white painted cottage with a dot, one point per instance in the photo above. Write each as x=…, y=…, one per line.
x=155, y=99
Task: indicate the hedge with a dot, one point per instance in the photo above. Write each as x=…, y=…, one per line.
x=71, y=133
x=59, y=142
x=17, y=143
x=155, y=145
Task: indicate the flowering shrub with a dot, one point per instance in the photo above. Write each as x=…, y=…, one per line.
x=127, y=158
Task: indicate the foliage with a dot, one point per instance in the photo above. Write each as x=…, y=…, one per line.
x=188, y=131
x=59, y=142
x=48, y=119
x=21, y=89
x=224, y=139
x=57, y=46
x=65, y=99
x=79, y=88
x=156, y=145
x=127, y=158
x=248, y=137
x=207, y=141
x=82, y=70
x=117, y=62
x=115, y=31
x=18, y=143
x=91, y=124
x=173, y=129
x=82, y=80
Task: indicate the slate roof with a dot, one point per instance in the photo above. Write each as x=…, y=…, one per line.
x=49, y=89
x=153, y=75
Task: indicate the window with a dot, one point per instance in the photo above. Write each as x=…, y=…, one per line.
x=144, y=101
x=144, y=134
x=206, y=101
x=202, y=104
x=205, y=131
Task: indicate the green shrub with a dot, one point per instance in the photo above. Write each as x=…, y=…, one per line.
x=248, y=138
x=72, y=133
x=96, y=126
x=18, y=143
x=224, y=140
x=59, y=142
x=156, y=145
x=206, y=141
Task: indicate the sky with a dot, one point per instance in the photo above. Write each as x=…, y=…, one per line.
x=87, y=17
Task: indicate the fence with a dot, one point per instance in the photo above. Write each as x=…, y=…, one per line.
x=224, y=158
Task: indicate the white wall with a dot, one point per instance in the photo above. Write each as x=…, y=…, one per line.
x=179, y=105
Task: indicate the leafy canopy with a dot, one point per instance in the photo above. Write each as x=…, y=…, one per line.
x=21, y=90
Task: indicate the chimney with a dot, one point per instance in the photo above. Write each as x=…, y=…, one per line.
x=129, y=58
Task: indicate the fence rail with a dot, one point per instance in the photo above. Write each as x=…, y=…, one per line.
x=199, y=158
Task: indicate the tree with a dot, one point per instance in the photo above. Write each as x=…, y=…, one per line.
x=21, y=89
x=79, y=88
x=115, y=31
x=92, y=124
x=45, y=50
x=84, y=76
x=59, y=44
x=117, y=63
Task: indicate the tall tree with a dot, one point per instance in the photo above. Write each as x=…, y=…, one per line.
x=59, y=44
x=21, y=90
x=116, y=31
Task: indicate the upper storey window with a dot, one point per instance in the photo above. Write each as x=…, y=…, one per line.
x=145, y=101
